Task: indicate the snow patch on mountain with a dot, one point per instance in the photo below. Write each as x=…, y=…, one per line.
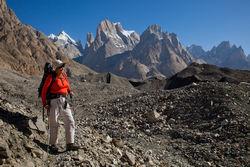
x=127, y=33
x=116, y=23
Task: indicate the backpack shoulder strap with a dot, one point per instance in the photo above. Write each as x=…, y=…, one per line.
x=64, y=75
x=53, y=79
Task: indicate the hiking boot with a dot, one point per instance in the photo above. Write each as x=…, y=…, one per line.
x=53, y=149
x=72, y=147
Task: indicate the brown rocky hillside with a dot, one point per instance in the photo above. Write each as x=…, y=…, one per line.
x=24, y=49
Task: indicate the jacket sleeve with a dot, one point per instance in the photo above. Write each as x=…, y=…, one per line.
x=67, y=81
x=45, y=89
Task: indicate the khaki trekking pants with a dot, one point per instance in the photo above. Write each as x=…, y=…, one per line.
x=57, y=108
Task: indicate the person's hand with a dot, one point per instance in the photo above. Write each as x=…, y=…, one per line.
x=71, y=94
x=47, y=107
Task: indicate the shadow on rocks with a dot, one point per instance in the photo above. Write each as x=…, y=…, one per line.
x=17, y=119
x=45, y=147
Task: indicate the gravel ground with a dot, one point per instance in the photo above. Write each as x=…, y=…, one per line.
x=202, y=124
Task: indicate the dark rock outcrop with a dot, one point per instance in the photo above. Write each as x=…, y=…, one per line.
x=207, y=73
x=194, y=74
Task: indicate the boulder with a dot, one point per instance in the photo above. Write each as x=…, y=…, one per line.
x=40, y=125
x=130, y=157
x=117, y=142
x=153, y=116
x=4, y=149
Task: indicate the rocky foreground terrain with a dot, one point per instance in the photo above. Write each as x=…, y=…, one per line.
x=201, y=124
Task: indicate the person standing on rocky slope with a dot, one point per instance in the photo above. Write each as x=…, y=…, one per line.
x=54, y=100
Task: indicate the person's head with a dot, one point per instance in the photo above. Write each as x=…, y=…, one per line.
x=59, y=67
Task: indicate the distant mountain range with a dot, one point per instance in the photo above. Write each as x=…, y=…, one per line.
x=125, y=53
x=154, y=53
x=224, y=55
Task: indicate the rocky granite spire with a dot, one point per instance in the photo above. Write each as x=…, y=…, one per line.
x=112, y=35
x=111, y=39
x=153, y=30
x=90, y=39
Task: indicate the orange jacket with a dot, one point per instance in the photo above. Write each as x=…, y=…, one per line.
x=60, y=86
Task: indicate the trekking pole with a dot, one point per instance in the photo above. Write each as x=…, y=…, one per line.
x=73, y=107
x=43, y=114
x=48, y=137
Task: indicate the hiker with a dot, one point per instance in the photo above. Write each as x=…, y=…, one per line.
x=55, y=101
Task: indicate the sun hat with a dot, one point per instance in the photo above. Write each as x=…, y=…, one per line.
x=59, y=64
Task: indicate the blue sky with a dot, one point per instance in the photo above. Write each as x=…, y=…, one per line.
x=201, y=22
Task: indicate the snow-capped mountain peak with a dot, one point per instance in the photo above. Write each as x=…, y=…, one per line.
x=63, y=36
x=68, y=45
x=52, y=37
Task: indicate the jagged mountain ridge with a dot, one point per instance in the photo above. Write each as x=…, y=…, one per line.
x=156, y=54
x=68, y=45
x=223, y=55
